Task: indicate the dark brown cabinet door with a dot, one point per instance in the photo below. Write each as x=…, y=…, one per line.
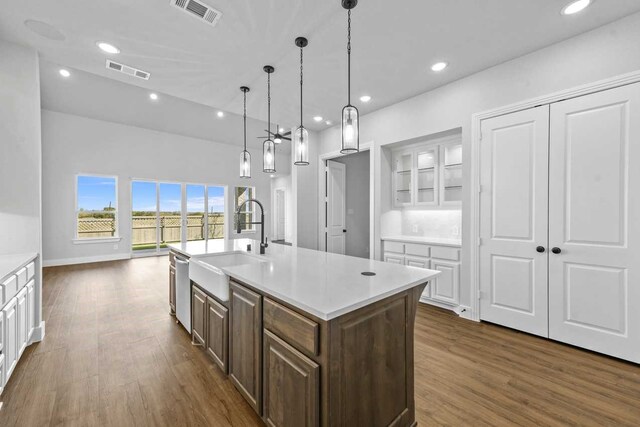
x=172, y=289
x=198, y=316
x=291, y=385
x=245, y=343
x=217, y=333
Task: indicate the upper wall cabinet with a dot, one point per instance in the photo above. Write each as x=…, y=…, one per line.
x=428, y=174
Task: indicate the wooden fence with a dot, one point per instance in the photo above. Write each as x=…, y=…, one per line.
x=143, y=228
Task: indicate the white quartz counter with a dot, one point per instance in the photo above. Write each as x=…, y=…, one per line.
x=424, y=240
x=322, y=284
x=10, y=263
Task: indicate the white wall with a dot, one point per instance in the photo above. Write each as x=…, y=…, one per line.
x=608, y=51
x=357, y=198
x=20, y=156
x=72, y=144
x=20, y=159
x=305, y=194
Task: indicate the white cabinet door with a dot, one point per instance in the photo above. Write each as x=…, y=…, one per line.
x=403, y=180
x=446, y=286
x=427, y=177
x=420, y=262
x=31, y=309
x=10, y=338
x=21, y=318
x=394, y=259
x=514, y=220
x=336, y=207
x=594, y=286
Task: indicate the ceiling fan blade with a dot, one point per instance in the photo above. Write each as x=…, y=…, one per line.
x=269, y=132
x=287, y=139
x=286, y=133
x=262, y=137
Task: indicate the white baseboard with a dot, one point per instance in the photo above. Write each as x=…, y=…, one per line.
x=38, y=333
x=84, y=260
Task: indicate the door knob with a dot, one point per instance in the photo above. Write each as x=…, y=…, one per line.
x=540, y=249
x=556, y=250
x=344, y=230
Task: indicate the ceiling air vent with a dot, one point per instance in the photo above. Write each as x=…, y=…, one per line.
x=125, y=69
x=198, y=10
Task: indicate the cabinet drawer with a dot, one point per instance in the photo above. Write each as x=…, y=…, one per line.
x=396, y=247
x=441, y=252
x=22, y=277
x=414, y=261
x=9, y=288
x=394, y=258
x=294, y=328
x=31, y=271
x=416, y=249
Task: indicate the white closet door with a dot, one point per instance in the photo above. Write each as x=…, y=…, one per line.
x=514, y=214
x=594, y=219
x=336, y=207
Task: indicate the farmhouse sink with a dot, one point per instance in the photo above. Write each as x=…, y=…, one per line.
x=207, y=271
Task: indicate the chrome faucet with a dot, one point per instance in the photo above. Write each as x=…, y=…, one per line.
x=263, y=240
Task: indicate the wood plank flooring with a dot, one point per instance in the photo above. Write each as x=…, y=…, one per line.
x=113, y=356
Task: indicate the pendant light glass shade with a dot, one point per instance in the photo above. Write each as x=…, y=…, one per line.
x=301, y=146
x=245, y=157
x=245, y=164
x=269, y=155
x=269, y=147
x=350, y=122
x=350, y=130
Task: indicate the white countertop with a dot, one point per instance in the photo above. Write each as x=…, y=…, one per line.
x=425, y=240
x=322, y=284
x=10, y=263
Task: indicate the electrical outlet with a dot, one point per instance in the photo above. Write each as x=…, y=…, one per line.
x=414, y=228
x=456, y=230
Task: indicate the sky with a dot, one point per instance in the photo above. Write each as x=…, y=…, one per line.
x=144, y=197
x=95, y=193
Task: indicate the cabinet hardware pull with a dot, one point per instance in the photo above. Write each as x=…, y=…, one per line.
x=540, y=249
x=556, y=250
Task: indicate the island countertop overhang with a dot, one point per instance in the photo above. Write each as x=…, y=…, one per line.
x=322, y=284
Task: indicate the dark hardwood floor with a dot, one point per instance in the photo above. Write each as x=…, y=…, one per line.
x=113, y=356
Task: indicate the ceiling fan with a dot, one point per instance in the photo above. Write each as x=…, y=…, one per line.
x=277, y=137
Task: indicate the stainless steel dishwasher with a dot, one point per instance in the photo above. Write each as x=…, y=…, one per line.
x=183, y=293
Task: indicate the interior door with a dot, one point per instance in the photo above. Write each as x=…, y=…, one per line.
x=336, y=207
x=594, y=286
x=514, y=220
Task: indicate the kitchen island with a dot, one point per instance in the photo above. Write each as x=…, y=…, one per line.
x=305, y=336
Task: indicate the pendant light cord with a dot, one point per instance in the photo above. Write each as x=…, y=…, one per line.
x=349, y=57
x=245, y=120
x=301, y=62
x=269, y=105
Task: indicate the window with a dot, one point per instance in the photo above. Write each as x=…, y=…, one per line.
x=247, y=212
x=96, y=207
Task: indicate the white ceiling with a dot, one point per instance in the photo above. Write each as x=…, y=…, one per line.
x=394, y=44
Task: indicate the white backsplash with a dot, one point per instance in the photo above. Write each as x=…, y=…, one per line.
x=446, y=224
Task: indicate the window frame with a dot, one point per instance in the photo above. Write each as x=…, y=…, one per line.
x=250, y=208
x=116, y=233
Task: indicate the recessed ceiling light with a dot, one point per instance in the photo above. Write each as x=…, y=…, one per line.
x=439, y=66
x=153, y=96
x=318, y=118
x=328, y=123
x=365, y=98
x=108, y=48
x=575, y=7
x=221, y=114
x=64, y=73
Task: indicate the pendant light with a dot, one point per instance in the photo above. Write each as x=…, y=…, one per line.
x=301, y=136
x=269, y=147
x=350, y=129
x=245, y=157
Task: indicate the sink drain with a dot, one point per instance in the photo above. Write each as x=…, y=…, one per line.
x=368, y=273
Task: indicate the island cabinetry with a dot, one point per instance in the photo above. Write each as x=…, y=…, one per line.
x=198, y=316
x=291, y=385
x=245, y=343
x=217, y=333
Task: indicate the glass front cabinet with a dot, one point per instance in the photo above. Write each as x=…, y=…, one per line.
x=428, y=175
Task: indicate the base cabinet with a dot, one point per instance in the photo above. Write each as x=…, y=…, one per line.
x=217, y=343
x=245, y=343
x=198, y=316
x=31, y=309
x=10, y=315
x=291, y=385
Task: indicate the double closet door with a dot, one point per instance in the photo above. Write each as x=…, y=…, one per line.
x=560, y=221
